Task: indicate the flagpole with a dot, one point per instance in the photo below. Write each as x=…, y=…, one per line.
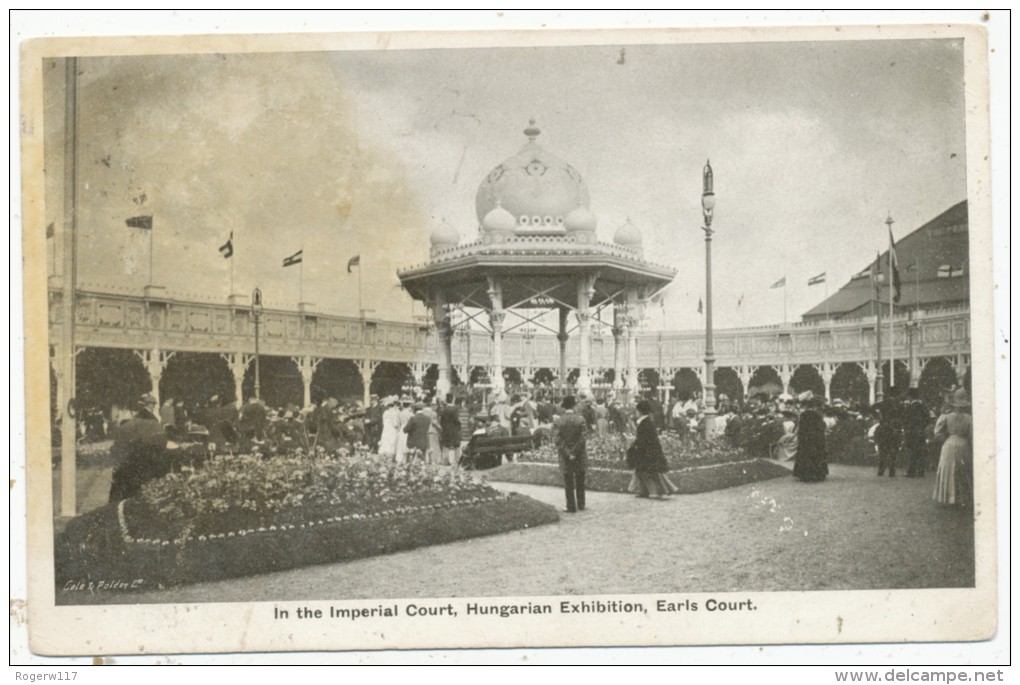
x=917, y=286
x=152, y=230
x=361, y=309
x=301, y=277
x=784, y=300
x=231, y=265
x=827, y=316
x=892, y=310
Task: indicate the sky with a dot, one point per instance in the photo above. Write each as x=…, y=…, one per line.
x=352, y=153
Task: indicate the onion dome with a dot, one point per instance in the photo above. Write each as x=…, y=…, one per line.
x=538, y=189
x=628, y=235
x=499, y=220
x=444, y=236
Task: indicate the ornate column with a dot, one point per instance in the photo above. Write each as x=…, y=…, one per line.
x=785, y=375
x=444, y=333
x=562, y=337
x=633, y=319
x=584, y=293
x=826, y=371
x=238, y=363
x=746, y=373
x=496, y=318
x=870, y=370
x=366, y=367
x=155, y=361
x=418, y=370
x=307, y=365
x=618, y=346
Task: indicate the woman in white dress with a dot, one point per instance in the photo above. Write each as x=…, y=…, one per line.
x=390, y=428
x=406, y=412
x=953, y=481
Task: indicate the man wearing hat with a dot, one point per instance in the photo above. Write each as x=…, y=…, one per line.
x=417, y=430
x=137, y=450
x=915, y=426
x=572, y=448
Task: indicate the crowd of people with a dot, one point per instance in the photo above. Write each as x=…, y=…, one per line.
x=898, y=432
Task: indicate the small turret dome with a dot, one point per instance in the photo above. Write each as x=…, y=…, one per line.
x=498, y=219
x=628, y=235
x=444, y=235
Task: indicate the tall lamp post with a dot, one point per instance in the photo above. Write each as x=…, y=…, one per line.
x=256, y=315
x=878, y=279
x=707, y=208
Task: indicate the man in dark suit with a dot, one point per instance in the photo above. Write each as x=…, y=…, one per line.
x=417, y=430
x=573, y=453
x=915, y=425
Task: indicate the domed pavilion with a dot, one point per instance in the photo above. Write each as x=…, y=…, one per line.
x=537, y=251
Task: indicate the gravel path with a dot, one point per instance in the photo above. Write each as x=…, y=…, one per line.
x=855, y=531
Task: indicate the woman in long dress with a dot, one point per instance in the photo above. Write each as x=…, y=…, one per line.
x=953, y=484
x=811, y=465
x=390, y=427
x=645, y=456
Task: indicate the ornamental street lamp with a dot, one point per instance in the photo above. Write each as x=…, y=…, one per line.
x=878, y=279
x=707, y=209
x=256, y=315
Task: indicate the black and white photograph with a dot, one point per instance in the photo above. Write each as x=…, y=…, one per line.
x=550, y=339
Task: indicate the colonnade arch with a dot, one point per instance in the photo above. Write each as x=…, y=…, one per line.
x=194, y=377
x=937, y=377
x=389, y=378
x=280, y=381
x=807, y=378
x=339, y=378
x=850, y=383
x=727, y=382
x=106, y=376
x=686, y=384
x=765, y=379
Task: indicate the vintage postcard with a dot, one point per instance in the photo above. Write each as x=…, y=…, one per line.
x=508, y=339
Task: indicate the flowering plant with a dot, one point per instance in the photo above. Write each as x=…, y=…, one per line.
x=610, y=451
x=255, y=490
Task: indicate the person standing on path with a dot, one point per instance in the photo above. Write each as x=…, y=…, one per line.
x=449, y=431
x=645, y=456
x=571, y=446
x=953, y=480
x=915, y=425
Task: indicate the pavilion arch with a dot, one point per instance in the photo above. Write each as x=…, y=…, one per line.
x=765, y=380
x=389, y=378
x=850, y=384
x=337, y=378
x=896, y=385
x=479, y=375
x=806, y=377
x=544, y=377
x=727, y=382
x=937, y=379
x=512, y=377
x=648, y=379
x=194, y=377
x=686, y=384
x=279, y=381
x=107, y=377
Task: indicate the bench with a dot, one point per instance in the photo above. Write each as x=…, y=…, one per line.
x=483, y=452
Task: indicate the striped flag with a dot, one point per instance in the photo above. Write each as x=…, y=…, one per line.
x=781, y=283
x=295, y=258
x=353, y=262
x=815, y=280
x=143, y=222
x=700, y=306
x=227, y=248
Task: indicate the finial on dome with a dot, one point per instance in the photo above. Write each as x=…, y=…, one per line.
x=532, y=131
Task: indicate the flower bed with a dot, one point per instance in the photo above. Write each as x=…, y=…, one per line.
x=244, y=515
x=695, y=465
x=690, y=481
x=610, y=451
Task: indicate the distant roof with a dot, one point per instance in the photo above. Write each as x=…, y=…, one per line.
x=924, y=257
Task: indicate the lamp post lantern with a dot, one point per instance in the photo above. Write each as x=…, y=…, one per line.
x=707, y=210
x=256, y=315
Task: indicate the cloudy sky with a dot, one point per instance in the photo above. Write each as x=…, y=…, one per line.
x=363, y=152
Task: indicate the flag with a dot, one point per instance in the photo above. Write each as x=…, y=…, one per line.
x=700, y=306
x=950, y=271
x=865, y=273
x=295, y=258
x=815, y=280
x=740, y=300
x=781, y=283
x=143, y=222
x=227, y=248
x=894, y=267
x=353, y=262
x=50, y=231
